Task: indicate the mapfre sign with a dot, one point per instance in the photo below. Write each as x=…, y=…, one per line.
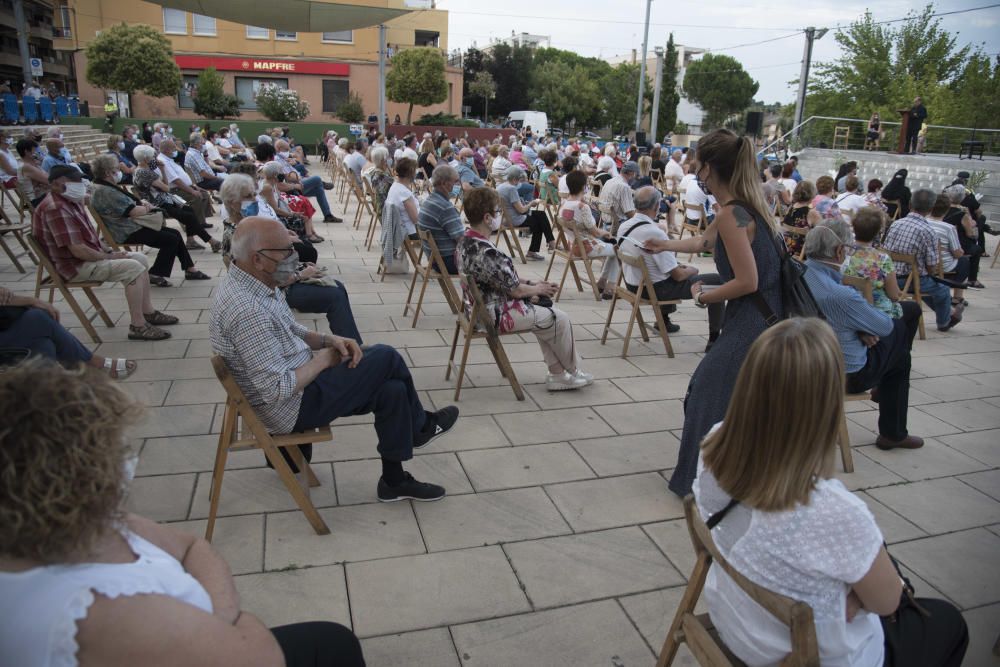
x=263, y=65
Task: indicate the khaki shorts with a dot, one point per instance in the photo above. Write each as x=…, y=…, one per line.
x=123, y=271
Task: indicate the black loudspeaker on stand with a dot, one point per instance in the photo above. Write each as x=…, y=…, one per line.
x=640, y=138
x=755, y=122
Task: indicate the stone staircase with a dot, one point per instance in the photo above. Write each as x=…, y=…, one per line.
x=81, y=138
x=925, y=171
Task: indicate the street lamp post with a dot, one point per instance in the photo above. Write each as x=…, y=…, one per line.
x=642, y=70
x=812, y=34
x=655, y=113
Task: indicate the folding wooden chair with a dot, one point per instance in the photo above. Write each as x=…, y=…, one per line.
x=698, y=632
x=105, y=233
x=895, y=213
x=55, y=282
x=911, y=286
x=433, y=269
x=691, y=228
x=796, y=231
x=17, y=230
x=364, y=205
x=23, y=202
x=478, y=324
x=572, y=252
x=644, y=295
x=376, y=213
x=252, y=434
x=507, y=232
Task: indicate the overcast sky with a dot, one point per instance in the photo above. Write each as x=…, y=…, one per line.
x=606, y=28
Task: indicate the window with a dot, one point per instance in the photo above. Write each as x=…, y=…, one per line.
x=185, y=98
x=255, y=32
x=246, y=89
x=425, y=38
x=335, y=92
x=340, y=36
x=285, y=35
x=174, y=22
x=203, y=25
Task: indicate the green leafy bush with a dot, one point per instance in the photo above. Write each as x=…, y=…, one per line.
x=281, y=104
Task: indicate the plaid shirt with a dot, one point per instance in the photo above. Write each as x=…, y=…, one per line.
x=617, y=194
x=913, y=235
x=59, y=223
x=195, y=164
x=253, y=329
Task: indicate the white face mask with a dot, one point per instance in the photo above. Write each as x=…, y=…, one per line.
x=495, y=221
x=75, y=191
x=283, y=154
x=121, y=145
x=118, y=177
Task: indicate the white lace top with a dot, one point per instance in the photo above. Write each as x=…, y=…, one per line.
x=811, y=553
x=41, y=606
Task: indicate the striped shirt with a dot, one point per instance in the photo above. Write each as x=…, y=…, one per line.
x=617, y=194
x=913, y=235
x=253, y=329
x=440, y=217
x=847, y=312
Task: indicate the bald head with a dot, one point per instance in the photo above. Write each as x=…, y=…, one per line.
x=464, y=153
x=257, y=233
x=647, y=200
x=280, y=145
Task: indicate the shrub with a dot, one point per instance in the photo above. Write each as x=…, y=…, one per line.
x=211, y=100
x=351, y=110
x=281, y=104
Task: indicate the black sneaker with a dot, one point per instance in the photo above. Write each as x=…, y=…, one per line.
x=438, y=423
x=410, y=489
x=327, y=185
x=332, y=218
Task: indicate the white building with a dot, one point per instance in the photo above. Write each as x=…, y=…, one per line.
x=520, y=39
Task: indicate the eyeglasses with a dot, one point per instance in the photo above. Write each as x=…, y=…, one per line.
x=285, y=253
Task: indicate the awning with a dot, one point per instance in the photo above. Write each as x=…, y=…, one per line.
x=292, y=15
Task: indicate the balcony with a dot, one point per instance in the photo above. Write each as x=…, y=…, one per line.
x=62, y=33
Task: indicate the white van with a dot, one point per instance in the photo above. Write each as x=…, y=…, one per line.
x=538, y=121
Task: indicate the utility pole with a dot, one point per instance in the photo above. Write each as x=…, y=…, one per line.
x=812, y=34
x=655, y=113
x=22, y=41
x=381, y=79
x=642, y=70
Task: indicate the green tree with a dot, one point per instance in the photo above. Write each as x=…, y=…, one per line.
x=417, y=78
x=563, y=92
x=352, y=109
x=474, y=61
x=485, y=87
x=133, y=59
x=620, y=88
x=670, y=96
x=512, y=67
x=211, y=100
x=720, y=86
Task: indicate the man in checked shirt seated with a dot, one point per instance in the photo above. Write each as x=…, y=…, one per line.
x=298, y=379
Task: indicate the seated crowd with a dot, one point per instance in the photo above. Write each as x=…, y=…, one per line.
x=461, y=192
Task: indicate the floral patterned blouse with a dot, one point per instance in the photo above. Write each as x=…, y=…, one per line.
x=796, y=217
x=578, y=221
x=142, y=179
x=495, y=276
x=381, y=182
x=875, y=265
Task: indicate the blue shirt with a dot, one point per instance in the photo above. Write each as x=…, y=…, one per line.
x=440, y=217
x=52, y=160
x=847, y=312
x=467, y=175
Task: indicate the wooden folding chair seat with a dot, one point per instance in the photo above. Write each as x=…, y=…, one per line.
x=507, y=233
x=798, y=232
x=364, y=204
x=242, y=429
x=644, y=295
x=478, y=324
x=911, y=286
x=573, y=253
x=698, y=632
x=17, y=230
x=691, y=228
x=48, y=277
x=22, y=202
x=432, y=269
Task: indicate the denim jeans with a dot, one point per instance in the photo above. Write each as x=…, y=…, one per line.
x=312, y=186
x=935, y=295
x=36, y=331
x=332, y=300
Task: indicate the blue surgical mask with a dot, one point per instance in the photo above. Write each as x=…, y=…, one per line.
x=469, y=161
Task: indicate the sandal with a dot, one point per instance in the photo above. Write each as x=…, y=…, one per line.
x=216, y=245
x=160, y=319
x=148, y=332
x=122, y=368
x=196, y=275
x=159, y=281
x=315, y=238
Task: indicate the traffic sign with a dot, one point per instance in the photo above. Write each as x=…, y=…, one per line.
x=36, y=67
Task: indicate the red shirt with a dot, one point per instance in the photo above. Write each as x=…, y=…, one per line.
x=59, y=223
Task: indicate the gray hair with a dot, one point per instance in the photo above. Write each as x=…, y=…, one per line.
x=923, y=200
x=272, y=169
x=823, y=240
x=514, y=174
x=234, y=186
x=380, y=156
x=630, y=167
x=104, y=165
x=195, y=136
x=264, y=139
x=144, y=153
x=646, y=198
x=955, y=193
x=342, y=142
x=443, y=173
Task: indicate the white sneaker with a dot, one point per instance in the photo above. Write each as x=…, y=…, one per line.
x=564, y=381
x=586, y=377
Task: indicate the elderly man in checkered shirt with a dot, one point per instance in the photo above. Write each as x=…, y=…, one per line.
x=617, y=194
x=298, y=379
x=913, y=235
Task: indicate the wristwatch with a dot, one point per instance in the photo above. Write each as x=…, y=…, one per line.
x=698, y=301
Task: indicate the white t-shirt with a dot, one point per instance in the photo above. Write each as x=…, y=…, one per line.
x=694, y=195
x=11, y=163
x=947, y=237
x=398, y=194
x=789, y=184
x=410, y=153
x=172, y=171
x=851, y=201
x=563, y=187
x=673, y=172
x=812, y=553
x=659, y=264
x=213, y=152
x=499, y=167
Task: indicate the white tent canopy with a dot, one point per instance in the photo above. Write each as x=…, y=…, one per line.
x=292, y=15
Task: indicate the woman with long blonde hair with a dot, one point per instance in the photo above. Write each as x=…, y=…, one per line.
x=765, y=484
x=744, y=244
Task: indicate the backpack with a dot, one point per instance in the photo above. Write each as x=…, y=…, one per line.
x=795, y=294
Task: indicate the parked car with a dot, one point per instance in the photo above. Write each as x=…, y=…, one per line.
x=589, y=136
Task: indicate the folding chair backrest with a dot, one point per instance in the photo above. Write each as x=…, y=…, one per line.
x=639, y=263
x=30, y=105
x=895, y=213
x=44, y=263
x=863, y=285
x=45, y=109
x=478, y=316
x=103, y=228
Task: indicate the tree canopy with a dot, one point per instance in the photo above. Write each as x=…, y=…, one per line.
x=352, y=109
x=564, y=92
x=720, y=86
x=670, y=97
x=416, y=77
x=133, y=59
x=485, y=87
x=210, y=98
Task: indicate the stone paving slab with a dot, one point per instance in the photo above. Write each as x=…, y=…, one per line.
x=558, y=542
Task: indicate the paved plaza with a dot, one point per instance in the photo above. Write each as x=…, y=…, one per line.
x=558, y=543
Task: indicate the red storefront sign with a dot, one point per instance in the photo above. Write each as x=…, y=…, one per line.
x=263, y=65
